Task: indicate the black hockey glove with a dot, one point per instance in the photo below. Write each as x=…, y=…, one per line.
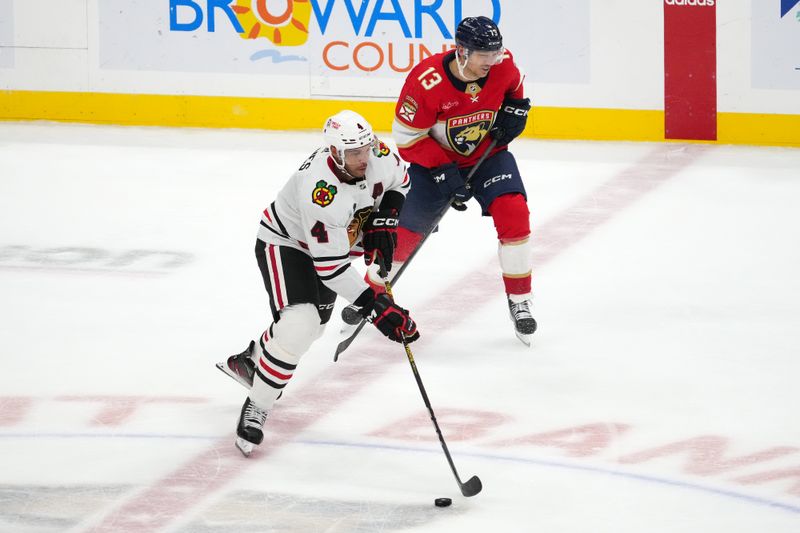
x=391, y=319
x=380, y=236
x=510, y=120
x=451, y=184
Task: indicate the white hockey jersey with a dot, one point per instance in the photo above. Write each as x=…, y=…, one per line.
x=323, y=217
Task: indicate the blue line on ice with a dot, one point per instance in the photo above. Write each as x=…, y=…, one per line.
x=485, y=456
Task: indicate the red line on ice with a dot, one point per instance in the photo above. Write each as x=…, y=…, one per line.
x=171, y=497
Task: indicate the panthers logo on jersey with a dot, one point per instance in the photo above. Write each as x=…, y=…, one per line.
x=323, y=194
x=465, y=132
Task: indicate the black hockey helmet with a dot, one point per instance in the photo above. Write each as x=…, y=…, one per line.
x=479, y=33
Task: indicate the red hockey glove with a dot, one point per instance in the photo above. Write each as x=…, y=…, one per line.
x=391, y=319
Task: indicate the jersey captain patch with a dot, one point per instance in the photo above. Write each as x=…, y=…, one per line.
x=465, y=132
x=323, y=194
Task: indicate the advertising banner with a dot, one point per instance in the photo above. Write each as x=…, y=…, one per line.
x=372, y=39
x=6, y=34
x=775, y=42
x=690, y=69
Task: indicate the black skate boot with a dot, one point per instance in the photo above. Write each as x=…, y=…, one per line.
x=241, y=367
x=524, y=323
x=249, y=431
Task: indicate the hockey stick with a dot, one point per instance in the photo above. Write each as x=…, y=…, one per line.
x=343, y=345
x=473, y=485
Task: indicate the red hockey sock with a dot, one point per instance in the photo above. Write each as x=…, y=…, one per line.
x=512, y=222
x=407, y=241
x=511, y=217
x=514, y=285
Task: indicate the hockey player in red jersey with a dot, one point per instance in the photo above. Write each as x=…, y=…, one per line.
x=450, y=107
x=342, y=202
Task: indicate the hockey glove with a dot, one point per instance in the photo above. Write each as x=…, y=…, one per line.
x=510, y=120
x=380, y=236
x=451, y=184
x=391, y=319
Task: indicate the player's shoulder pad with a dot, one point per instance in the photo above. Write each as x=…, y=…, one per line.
x=436, y=61
x=508, y=61
x=387, y=157
x=509, y=68
x=321, y=195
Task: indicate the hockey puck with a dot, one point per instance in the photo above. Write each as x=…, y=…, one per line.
x=442, y=502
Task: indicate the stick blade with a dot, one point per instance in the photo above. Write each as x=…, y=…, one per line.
x=342, y=346
x=471, y=487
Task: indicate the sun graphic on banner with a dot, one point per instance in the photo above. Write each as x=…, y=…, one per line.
x=289, y=28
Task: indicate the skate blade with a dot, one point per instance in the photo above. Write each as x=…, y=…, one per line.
x=244, y=446
x=235, y=377
x=525, y=339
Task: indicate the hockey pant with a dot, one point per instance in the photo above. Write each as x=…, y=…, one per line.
x=301, y=305
x=511, y=219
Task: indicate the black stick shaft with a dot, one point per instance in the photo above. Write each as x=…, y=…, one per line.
x=473, y=486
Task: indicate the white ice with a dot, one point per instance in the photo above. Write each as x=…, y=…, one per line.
x=660, y=394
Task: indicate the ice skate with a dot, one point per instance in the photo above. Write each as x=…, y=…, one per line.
x=249, y=432
x=241, y=367
x=524, y=323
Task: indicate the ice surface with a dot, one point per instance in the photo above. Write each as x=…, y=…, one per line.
x=660, y=393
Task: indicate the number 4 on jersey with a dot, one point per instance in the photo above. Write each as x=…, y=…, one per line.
x=318, y=231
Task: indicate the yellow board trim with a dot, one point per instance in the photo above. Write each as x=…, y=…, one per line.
x=193, y=111
x=596, y=124
x=758, y=129
x=293, y=114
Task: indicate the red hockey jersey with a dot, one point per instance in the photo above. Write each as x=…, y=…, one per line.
x=440, y=119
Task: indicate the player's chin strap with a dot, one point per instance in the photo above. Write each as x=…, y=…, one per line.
x=459, y=65
x=342, y=169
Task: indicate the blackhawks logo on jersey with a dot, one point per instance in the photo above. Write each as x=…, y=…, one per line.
x=465, y=132
x=379, y=149
x=355, y=226
x=323, y=194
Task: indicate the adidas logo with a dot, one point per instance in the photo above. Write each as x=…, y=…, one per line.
x=689, y=2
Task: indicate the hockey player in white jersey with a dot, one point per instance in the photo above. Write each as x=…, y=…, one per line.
x=342, y=203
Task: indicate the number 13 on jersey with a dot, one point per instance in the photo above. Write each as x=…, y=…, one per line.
x=429, y=82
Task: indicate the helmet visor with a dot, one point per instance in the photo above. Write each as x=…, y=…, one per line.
x=353, y=153
x=491, y=56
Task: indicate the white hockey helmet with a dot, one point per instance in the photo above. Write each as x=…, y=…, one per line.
x=347, y=129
